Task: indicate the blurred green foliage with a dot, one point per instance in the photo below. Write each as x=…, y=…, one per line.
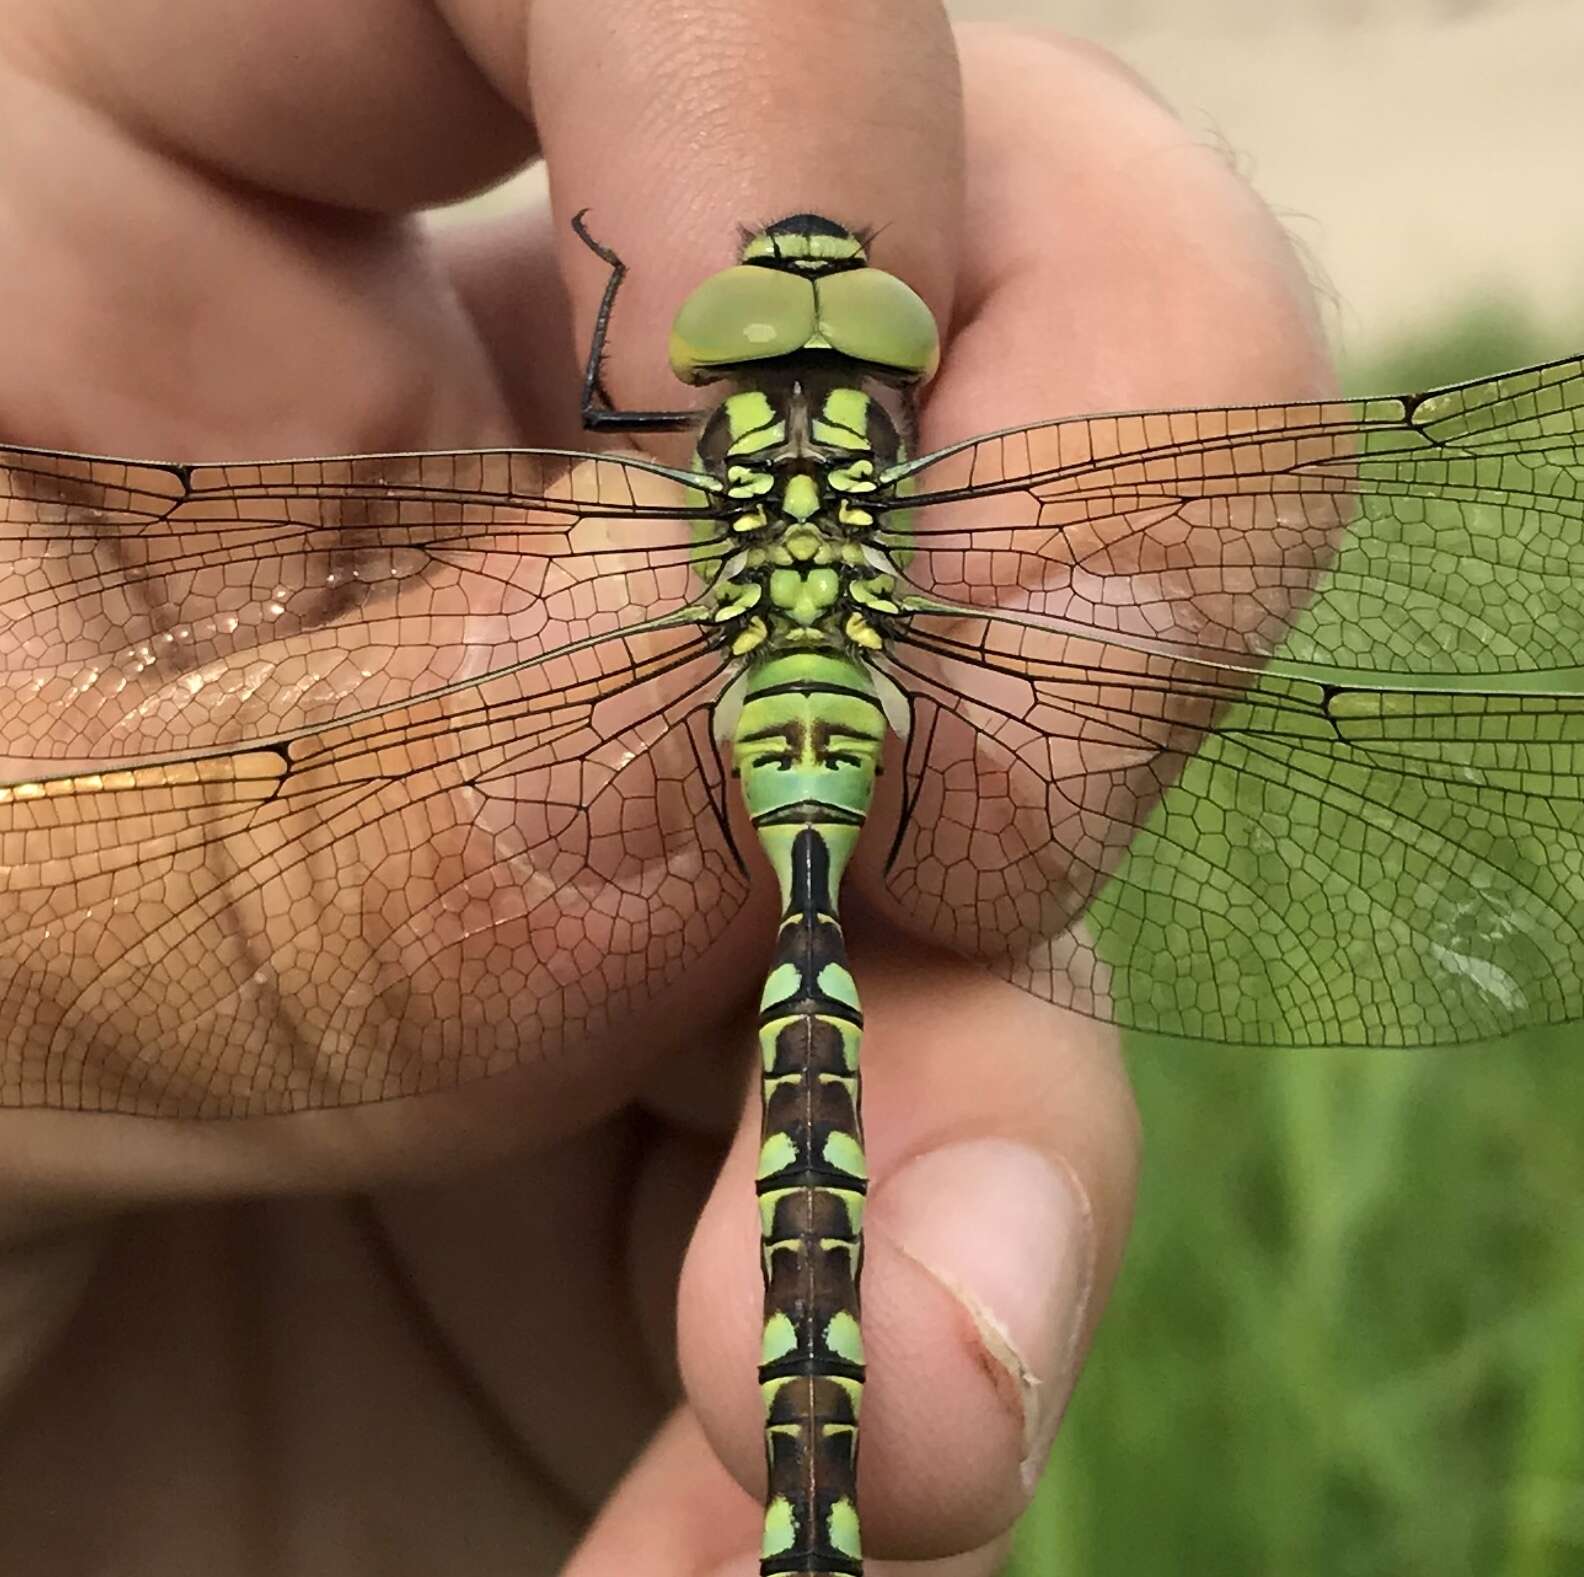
x=1349, y=1336
x=1486, y=336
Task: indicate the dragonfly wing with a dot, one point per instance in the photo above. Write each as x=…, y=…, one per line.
x=387, y=810
x=153, y=609
x=1462, y=513
x=1290, y=713
x=1327, y=867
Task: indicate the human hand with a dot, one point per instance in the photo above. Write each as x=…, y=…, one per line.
x=210, y=259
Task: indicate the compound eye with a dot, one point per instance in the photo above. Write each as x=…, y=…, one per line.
x=874, y=317
x=742, y=314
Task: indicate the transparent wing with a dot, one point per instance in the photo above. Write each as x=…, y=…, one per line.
x=339, y=780
x=1209, y=530
x=1379, y=840
x=149, y=609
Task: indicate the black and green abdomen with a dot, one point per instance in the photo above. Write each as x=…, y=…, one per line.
x=807, y=747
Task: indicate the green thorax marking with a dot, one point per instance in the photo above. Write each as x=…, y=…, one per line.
x=796, y=466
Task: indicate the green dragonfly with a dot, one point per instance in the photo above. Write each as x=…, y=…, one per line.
x=328, y=781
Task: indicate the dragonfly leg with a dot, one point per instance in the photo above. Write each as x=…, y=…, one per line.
x=908, y=424
x=598, y=411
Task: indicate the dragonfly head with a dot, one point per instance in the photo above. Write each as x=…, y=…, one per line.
x=804, y=285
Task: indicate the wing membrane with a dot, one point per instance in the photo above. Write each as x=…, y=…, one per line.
x=1463, y=514
x=400, y=774
x=1379, y=840
x=1331, y=866
x=148, y=609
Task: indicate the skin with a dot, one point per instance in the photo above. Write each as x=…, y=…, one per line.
x=403, y=1337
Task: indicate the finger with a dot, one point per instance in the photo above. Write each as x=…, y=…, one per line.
x=1002, y=1148
x=676, y=122
x=507, y=274
x=678, y=1514
x=1112, y=261
x=171, y=291
x=367, y=104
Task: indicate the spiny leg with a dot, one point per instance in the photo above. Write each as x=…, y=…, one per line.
x=598, y=412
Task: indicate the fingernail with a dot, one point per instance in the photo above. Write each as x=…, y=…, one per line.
x=1009, y=1234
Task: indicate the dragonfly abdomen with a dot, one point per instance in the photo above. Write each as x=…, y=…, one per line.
x=807, y=748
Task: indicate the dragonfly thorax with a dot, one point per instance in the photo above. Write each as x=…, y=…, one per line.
x=795, y=469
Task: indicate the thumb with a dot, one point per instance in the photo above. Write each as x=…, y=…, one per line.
x=1002, y=1149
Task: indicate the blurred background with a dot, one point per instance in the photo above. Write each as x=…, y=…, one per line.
x=1349, y=1337
x=1424, y=154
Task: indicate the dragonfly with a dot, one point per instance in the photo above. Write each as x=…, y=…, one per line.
x=338, y=780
